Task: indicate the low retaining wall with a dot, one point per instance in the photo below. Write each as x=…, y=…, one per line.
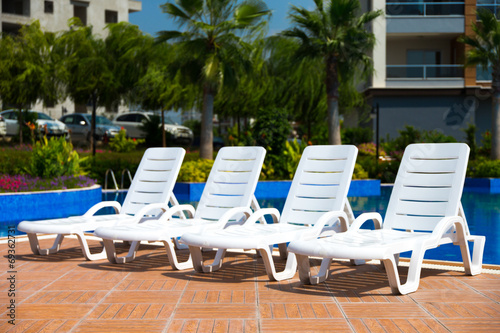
x=17, y=207
x=276, y=189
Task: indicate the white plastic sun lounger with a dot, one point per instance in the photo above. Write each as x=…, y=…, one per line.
x=226, y=198
x=424, y=212
x=316, y=204
x=151, y=188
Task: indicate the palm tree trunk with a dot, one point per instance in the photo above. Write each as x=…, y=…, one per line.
x=206, y=135
x=332, y=93
x=495, y=118
x=93, y=123
x=163, y=134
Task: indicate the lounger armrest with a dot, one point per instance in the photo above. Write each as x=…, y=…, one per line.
x=177, y=209
x=361, y=219
x=443, y=226
x=224, y=219
x=100, y=205
x=255, y=217
x=315, y=231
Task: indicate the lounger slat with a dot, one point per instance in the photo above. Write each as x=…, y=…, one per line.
x=155, y=165
x=149, y=187
x=315, y=191
x=421, y=208
x=235, y=166
x=232, y=177
x=427, y=180
x=320, y=178
x=238, y=153
x=154, y=176
x=226, y=189
x=325, y=165
x=422, y=193
x=313, y=204
x=416, y=223
x=227, y=201
x=432, y=166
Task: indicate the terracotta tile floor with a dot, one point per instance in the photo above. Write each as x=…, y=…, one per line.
x=64, y=293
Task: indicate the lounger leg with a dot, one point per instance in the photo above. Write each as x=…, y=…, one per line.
x=110, y=249
x=172, y=257
x=86, y=251
x=473, y=267
x=35, y=245
x=179, y=246
x=287, y=273
x=197, y=257
x=283, y=251
x=305, y=270
x=413, y=279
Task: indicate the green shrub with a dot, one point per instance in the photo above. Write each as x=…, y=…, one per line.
x=356, y=135
x=122, y=144
x=196, y=171
x=484, y=168
x=359, y=172
x=53, y=158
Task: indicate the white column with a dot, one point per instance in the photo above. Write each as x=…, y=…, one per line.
x=379, y=51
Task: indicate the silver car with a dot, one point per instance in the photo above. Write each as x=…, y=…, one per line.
x=132, y=122
x=47, y=126
x=3, y=127
x=79, y=125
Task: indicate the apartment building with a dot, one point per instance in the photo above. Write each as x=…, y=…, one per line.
x=419, y=76
x=54, y=16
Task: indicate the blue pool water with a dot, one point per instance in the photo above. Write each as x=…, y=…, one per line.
x=482, y=211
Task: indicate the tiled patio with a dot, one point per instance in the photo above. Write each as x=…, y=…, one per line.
x=64, y=293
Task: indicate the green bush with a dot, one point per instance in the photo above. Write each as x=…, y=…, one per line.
x=122, y=144
x=196, y=171
x=356, y=135
x=484, y=168
x=53, y=158
x=13, y=160
x=359, y=172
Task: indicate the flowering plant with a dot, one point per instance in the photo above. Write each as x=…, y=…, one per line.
x=25, y=183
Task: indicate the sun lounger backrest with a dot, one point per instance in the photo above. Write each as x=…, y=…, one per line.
x=428, y=186
x=320, y=183
x=154, y=179
x=232, y=181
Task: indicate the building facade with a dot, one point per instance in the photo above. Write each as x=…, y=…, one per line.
x=419, y=77
x=54, y=16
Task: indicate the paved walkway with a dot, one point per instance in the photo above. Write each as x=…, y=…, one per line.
x=64, y=293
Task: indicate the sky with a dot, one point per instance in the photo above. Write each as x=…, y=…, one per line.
x=151, y=19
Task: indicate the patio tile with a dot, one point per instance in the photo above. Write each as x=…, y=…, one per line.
x=54, y=311
x=472, y=325
x=143, y=297
x=219, y=311
x=374, y=310
x=300, y=325
x=121, y=326
x=448, y=296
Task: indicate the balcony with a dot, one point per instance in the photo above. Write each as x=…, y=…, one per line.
x=442, y=76
x=412, y=8
x=491, y=5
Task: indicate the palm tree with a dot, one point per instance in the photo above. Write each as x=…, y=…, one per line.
x=485, y=52
x=336, y=32
x=212, y=50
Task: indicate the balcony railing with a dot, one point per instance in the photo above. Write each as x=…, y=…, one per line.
x=424, y=72
x=411, y=8
x=491, y=5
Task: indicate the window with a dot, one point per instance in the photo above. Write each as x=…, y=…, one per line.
x=68, y=120
x=81, y=13
x=49, y=7
x=111, y=16
x=127, y=117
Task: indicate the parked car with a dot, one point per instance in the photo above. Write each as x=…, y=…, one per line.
x=3, y=127
x=80, y=124
x=132, y=122
x=45, y=123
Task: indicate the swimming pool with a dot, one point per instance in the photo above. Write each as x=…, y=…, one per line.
x=482, y=211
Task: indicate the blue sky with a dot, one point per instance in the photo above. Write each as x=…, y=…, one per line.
x=151, y=19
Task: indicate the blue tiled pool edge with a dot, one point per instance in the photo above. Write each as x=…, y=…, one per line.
x=483, y=185
x=277, y=189
x=31, y=206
